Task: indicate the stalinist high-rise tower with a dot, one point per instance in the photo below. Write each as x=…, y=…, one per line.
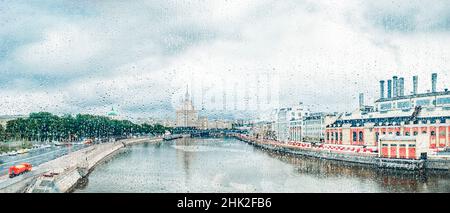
x=187, y=116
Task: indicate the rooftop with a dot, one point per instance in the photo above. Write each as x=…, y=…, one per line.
x=414, y=96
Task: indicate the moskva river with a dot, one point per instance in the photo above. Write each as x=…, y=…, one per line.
x=229, y=165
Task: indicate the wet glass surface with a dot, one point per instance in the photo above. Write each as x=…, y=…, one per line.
x=229, y=165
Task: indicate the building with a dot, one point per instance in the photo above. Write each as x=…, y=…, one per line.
x=219, y=124
x=396, y=114
x=262, y=130
x=186, y=115
x=296, y=124
x=404, y=147
x=287, y=123
x=202, y=123
x=314, y=126
x=113, y=114
x=280, y=124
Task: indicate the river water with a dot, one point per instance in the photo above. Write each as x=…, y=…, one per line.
x=229, y=165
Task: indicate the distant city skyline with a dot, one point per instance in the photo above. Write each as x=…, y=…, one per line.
x=138, y=56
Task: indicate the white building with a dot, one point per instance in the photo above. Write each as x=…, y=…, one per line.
x=186, y=115
x=219, y=124
x=280, y=124
x=296, y=122
x=287, y=123
x=315, y=124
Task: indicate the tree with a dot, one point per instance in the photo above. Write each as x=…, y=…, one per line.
x=44, y=126
x=2, y=133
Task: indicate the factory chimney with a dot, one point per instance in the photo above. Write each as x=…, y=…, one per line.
x=361, y=100
x=395, y=86
x=401, y=86
x=415, y=81
x=381, y=89
x=389, y=88
x=433, y=82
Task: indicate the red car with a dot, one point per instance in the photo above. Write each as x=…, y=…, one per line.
x=19, y=169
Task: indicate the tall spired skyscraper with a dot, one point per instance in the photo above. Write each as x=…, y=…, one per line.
x=187, y=116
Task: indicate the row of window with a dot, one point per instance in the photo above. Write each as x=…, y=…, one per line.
x=360, y=136
x=432, y=133
x=401, y=145
x=420, y=102
x=336, y=136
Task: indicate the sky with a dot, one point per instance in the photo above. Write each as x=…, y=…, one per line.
x=140, y=56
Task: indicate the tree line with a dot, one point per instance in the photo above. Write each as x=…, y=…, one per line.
x=43, y=126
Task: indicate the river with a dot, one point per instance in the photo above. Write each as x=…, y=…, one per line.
x=229, y=165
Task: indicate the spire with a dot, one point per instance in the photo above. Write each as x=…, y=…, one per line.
x=186, y=95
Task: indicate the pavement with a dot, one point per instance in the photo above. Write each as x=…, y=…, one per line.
x=60, y=160
x=36, y=157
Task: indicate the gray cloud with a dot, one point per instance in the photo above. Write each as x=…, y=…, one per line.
x=86, y=56
x=410, y=16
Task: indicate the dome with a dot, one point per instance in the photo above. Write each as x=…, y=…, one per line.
x=112, y=112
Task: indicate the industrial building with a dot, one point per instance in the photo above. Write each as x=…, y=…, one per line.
x=396, y=114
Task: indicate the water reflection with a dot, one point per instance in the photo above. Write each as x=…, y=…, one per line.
x=185, y=158
x=388, y=179
x=228, y=165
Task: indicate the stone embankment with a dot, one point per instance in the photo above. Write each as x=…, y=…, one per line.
x=64, y=173
x=362, y=159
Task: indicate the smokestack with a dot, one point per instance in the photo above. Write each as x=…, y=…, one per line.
x=381, y=89
x=433, y=82
x=395, y=86
x=401, y=86
x=389, y=89
x=415, y=81
x=361, y=100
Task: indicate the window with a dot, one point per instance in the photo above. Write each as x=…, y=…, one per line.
x=423, y=102
x=397, y=133
x=407, y=133
x=424, y=132
x=415, y=133
x=404, y=105
x=336, y=136
x=354, y=136
x=442, y=133
x=433, y=133
x=361, y=136
x=441, y=101
x=385, y=106
x=328, y=136
x=402, y=145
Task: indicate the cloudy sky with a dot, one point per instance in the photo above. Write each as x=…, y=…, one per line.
x=139, y=56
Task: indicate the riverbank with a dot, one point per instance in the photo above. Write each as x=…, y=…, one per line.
x=64, y=173
x=368, y=159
